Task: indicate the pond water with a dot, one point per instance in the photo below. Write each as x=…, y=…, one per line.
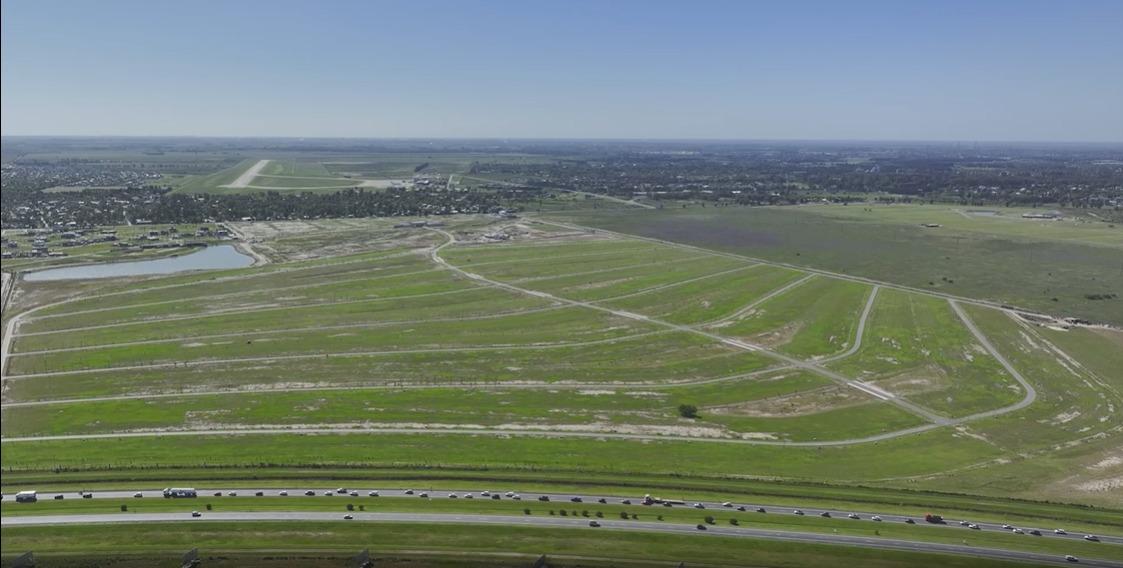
x=210, y=258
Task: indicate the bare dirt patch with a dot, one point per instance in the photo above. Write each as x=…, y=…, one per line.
x=795, y=404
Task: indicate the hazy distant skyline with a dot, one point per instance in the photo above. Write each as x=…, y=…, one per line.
x=951, y=70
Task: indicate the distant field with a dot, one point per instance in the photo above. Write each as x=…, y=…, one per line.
x=1046, y=266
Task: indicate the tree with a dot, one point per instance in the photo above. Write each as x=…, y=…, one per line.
x=688, y=411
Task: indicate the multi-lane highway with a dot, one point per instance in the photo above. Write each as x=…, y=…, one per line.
x=556, y=522
x=1076, y=538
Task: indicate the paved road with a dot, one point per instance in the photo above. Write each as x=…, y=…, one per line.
x=558, y=522
x=564, y=498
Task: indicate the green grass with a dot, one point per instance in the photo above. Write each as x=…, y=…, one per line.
x=427, y=545
x=212, y=183
x=815, y=319
x=912, y=455
x=1027, y=267
x=649, y=359
x=915, y=346
x=710, y=298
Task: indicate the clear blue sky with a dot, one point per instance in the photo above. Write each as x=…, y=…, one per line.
x=900, y=69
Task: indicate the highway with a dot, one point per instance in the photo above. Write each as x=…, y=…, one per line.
x=568, y=523
x=567, y=498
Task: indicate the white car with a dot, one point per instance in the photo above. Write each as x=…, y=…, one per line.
x=699, y=506
x=852, y=516
x=196, y=514
x=727, y=504
x=328, y=493
x=354, y=494
x=1018, y=531
x=510, y=493
x=1091, y=538
x=876, y=518
x=423, y=495
x=468, y=496
x=797, y=512
x=964, y=523
x=348, y=517
x=452, y=496
x=283, y=493
x=372, y=494
x=485, y=493
x=232, y=494
x=138, y=495
x=1059, y=531
x=517, y=497
x=1071, y=558
x=973, y=526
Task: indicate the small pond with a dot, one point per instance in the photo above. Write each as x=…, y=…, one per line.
x=210, y=258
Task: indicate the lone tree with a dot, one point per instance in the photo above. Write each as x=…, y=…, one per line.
x=688, y=411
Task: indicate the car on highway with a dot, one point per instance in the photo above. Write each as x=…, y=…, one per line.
x=575, y=499
x=1007, y=527
x=910, y=521
x=232, y=494
x=826, y=514
x=87, y=495
x=974, y=527
x=452, y=496
x=1071, y=558
x=259, y=493
x=59, y=497
x=727, y=504
x=283, y=493
x=1018, y=531
x=348, y=517
x=328, y=493
x=138, y=495
x=1059, y=531
x=495, y=497
x=423, y=495
x=761, y=510
x=700, y=527
x=797, y=512
x=1091, y=538
x=510, y=493
x=602, y=501
x=629, y=502
x=218, y=494
x=485, y=493
x=1035, y=532
x=309, y=493
x=876, y=518
x=469, y=496
x=372, y=494
x=699, y=506
x=964, y=523
x=594, y=524
x=853, y=516
x=517, y=497
x=409, y=492
x=354, y=493
x=741, y=508
x=543, y=498
x=341, y=490
x=196, y=514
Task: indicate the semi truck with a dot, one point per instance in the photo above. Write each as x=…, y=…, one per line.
x=27, y=497
x=180, y=493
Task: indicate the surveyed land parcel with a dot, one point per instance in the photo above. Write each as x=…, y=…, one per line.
x=541, y=339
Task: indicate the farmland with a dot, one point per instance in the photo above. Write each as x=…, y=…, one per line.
x=562, y=351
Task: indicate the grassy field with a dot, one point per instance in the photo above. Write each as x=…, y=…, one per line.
x=1008, y=260
x=329, y=544
x=409, y=367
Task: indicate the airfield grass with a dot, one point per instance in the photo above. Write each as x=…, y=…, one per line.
x=709, y=298
x=815, y=319
x=269, y=544
x=992, y=261
x=579, y=512
x=212, y=183
x=285, y=183
x=915, y=346
x=293, y=167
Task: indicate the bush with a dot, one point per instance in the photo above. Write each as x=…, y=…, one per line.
x=709, y=520
x=209, y=507
x=563, y=513
x=350, y=507
x=124, y=508
x=688, y=411
x=624, y=515
x=526, y=511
